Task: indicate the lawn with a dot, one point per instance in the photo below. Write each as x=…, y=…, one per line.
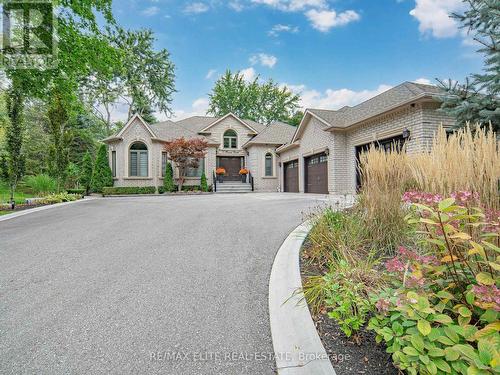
x=19, y=195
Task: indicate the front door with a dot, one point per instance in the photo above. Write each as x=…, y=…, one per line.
x=232, y=165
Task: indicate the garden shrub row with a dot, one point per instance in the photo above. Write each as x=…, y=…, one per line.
x=76, y=191
x=128, y=190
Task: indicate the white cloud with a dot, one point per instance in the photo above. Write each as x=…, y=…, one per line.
x=151, y=11
x=279, y=28
x=324, y=20
x=424, y=81
x=196, y=8
x=433, y=17
x=198, y=108
x=334, y=99
x=249, y=74
x=293, y=5
x=210, y=73
x=236, y=6
x=264, y=60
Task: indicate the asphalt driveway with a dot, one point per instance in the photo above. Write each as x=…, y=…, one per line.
x=143, y=285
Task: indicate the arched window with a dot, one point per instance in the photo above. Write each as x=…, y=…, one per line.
x=230, y=139
x=268, y=165
x=138, y=160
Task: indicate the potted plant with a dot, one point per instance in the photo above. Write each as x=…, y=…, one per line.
x=220, y=172
x=243, y=174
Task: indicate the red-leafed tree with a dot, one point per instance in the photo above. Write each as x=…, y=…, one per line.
x=185, y=153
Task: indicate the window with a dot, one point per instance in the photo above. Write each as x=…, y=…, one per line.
x=230, y=139
x=196, y=172
x=138, y=160
x=113, y=163
x=268, y=165
x=164, y=160
x=323, y=159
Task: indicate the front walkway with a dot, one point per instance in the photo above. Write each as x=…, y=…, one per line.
x=173, y=285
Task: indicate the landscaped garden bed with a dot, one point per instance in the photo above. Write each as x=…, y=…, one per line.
x=407, y=279
x=39, y=202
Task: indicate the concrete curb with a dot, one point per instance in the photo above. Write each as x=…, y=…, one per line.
x=43, y=208
x=297, y=346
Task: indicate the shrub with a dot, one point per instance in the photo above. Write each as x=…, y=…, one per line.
x=102, y=175
x=76, y=191
x=340, y=249
x=60, y=198
x=86, y=172
x=41, y=184
x=203, y=184
x=128, y=190
x=441, y=315
x=168, y=180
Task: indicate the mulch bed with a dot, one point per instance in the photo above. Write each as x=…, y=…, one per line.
x=346, y=354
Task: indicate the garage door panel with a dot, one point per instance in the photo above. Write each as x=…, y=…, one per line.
x=316, y=174
x=291, y=176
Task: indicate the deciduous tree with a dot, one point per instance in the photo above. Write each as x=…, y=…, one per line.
x=263, y=102
x=186, y=153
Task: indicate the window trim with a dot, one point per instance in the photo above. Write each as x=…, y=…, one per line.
x=268, y=153
x=230, y=138
x=113, y=163
x=138, y=152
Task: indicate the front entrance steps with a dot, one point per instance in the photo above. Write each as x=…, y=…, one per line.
x=233, y=187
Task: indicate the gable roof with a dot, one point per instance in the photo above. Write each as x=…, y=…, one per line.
x=128, y=124
x=277, y=133
x=386, y=101
x=244, y=122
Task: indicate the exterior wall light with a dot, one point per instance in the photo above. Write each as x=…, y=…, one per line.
x=406, y=133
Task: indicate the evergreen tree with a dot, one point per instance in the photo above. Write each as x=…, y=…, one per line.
x=168, y=180
x=14, y=138
x=86, y=173
x=204, y=185
x=102, y=176
x=478, y=99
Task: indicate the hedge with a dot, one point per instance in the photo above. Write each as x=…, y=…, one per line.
x=128, y=190
x=75, y=191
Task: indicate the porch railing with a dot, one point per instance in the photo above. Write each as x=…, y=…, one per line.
x=250, y=178
x=214, y=179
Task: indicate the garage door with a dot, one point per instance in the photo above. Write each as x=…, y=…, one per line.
x=316, y=174
x=291, y=177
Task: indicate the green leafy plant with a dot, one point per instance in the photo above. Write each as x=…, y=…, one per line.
x=86, y=172
x=203, y=183
x=41, y=184
x=102, y=176
x=441, y=314
x=60, y=198
x=346, y=297
x=168, y=180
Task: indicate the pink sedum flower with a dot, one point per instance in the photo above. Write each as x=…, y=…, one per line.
x=394, y=265
x=382, y=305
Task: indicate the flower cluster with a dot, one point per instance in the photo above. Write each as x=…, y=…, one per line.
x=430, y=199
x=492, y=219
x=220, y=170
x=383, y=305
x=465, y=197
x=488, y=295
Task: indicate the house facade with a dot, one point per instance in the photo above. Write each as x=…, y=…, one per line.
x=319, y=156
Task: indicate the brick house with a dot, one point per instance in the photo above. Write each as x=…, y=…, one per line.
x=318, y=156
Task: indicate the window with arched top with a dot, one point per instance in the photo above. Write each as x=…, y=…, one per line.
x=268, y=165
x=230, y=139
x=138, y=160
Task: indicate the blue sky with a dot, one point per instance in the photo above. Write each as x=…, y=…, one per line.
x=333, y=52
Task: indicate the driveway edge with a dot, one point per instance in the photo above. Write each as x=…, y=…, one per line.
x=42, y=208
x=297, y=346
